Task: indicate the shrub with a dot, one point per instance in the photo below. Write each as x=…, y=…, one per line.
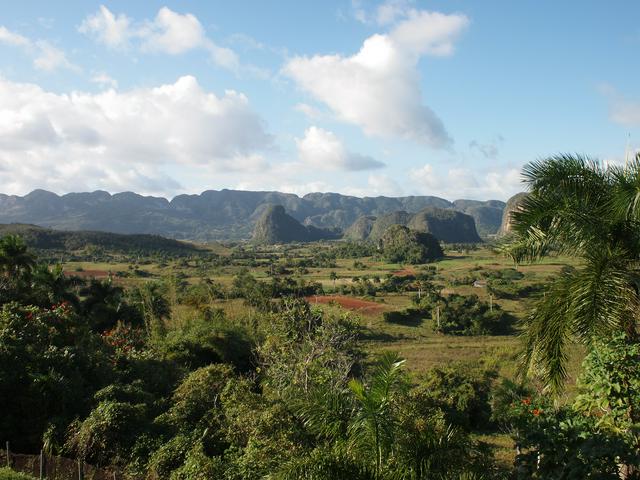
x=462, y=315
x=8, y=474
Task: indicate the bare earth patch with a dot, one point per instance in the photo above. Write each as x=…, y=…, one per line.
x=349, y=303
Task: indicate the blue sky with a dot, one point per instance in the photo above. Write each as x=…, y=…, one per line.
x=366, y=98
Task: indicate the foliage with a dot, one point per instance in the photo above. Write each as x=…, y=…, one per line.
x=609, y=387
x=559, y=444
x=467, y=315
x=579, y=207
x=402, y=245
x=461, y=392
x=302, y=349
x=203, y=341
x=8, y=474
x=50, y=365
x=160, y=382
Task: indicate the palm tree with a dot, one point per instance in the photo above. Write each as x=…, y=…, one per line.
x=50, y=285
x=372, y=428
x=15, y=257
x=577, y=206
x=359, y=420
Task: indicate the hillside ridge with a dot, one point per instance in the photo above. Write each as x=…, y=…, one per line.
x=217, y=214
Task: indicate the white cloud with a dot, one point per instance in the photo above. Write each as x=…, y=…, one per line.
x=45, y=56
x=390, y=11
x=104, y=80
x=13, y=39
x=425, y=176
x=377, y=185
x=384, y=14
x=378, y=88
x=169, y=32
x=321, y=149
x=173, y=33
x=131, y=140
x=50, y=58
x=112, y=30
x=464, y=183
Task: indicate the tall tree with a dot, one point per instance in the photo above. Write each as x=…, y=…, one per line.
x=580, y=207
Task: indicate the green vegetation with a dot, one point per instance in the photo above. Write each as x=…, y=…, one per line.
x=8, y=474
x=331, y=360
x=402, y=245
x=145, y=245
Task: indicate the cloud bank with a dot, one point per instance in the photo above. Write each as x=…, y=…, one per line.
x=124, y=140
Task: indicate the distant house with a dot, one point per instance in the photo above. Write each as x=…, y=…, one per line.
x=480, y=283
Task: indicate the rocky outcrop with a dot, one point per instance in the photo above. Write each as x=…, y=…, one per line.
x=512, y=205
x=446, y=225
x=275, y=226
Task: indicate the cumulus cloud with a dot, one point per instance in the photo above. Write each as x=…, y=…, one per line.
x=378, y=88
x=111, y=30
x=45, y=56
x=464, y=183
x=116, y=140
x=321, y=149
x=169, y=32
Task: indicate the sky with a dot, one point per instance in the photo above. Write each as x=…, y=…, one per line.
x=398, y=97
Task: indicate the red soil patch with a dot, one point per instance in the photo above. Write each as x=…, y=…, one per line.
x=405, y=272
x=87, y=273
x=348, y=303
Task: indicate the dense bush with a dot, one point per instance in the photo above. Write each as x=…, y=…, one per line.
x=467, y=315
x=402, y=245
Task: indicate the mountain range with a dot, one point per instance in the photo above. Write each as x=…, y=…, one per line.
x=219, y=215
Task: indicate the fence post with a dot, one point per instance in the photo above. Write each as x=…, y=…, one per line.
x=42, y=464
x=80, y=470
x=8, y=455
